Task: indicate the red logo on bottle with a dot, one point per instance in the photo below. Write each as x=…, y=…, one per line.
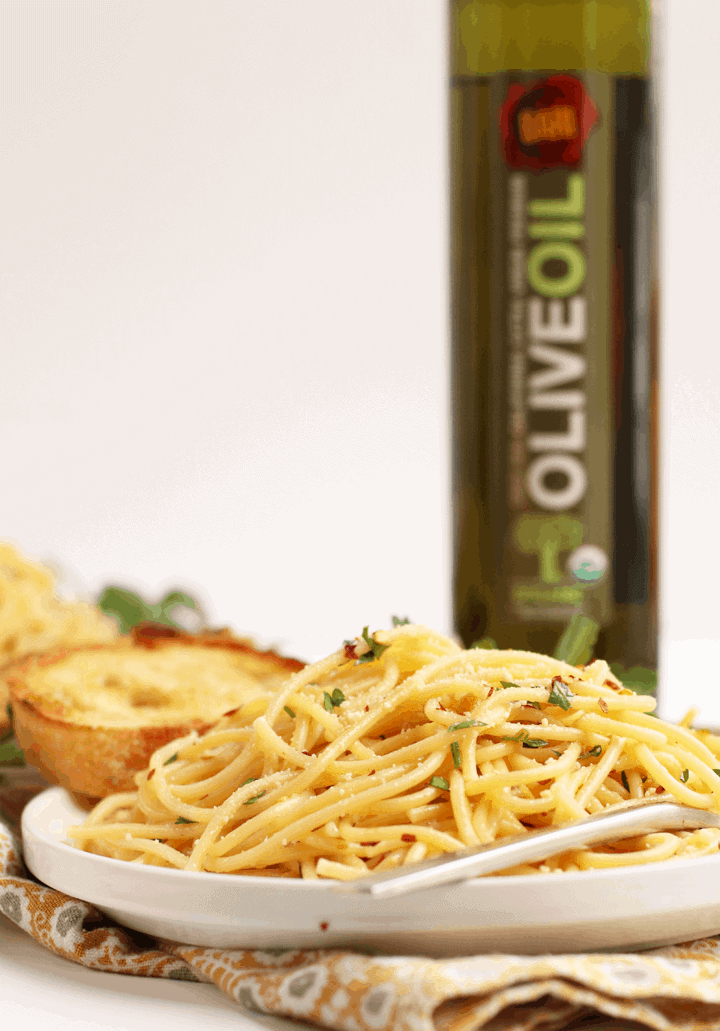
x=545, y=124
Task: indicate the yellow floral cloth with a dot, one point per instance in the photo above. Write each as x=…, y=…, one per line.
x=674, y=988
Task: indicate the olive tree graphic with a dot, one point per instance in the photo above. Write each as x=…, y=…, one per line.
x=546, y=536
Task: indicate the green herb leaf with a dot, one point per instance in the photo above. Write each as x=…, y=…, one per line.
x=439, y=782
x=684, y=776
x=560, y=695
x=126, y=607
x=504, y=684
x=170, y=760
x=376, y=649
x=289, y=711
x=558, y=754
x=596, y=751
x=716, y=771
x=527, y=742
x=534, y=705
x=129, y=609
x=456, y=757
x=10, y=753
x=181, y=819
x=624, y=779
x=170, y=601
x=397, y=621
x=465, y=724
x=534, y=742
x=250, y=780
x=251, y=800
x=578, y=640
x=485, y=643
x=330, y=701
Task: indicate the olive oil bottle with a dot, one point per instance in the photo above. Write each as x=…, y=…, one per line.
x=554, y=309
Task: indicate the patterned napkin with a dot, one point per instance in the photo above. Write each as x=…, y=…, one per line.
x=674, y=988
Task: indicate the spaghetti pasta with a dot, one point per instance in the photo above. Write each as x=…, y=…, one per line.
x=401, y=746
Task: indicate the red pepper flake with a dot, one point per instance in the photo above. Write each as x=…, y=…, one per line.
x=371, y=773
x=350, y=652
x=231, y=712
x=367, y=708
x=324, y=925
x=603, y=705
x=409, y=837
x=491, y=692
x=368, y=844
x=305, y=753
x=441, y=707
x=659, y=790
x=612, y=684
x=151, y=774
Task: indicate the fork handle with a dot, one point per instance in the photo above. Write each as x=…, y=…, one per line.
x=645, y=817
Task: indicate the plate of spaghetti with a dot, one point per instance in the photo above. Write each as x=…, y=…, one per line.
x=399, y=747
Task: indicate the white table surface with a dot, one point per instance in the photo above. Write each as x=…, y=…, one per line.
x=39, y=991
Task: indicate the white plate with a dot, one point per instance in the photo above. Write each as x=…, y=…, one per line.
x=634, y=908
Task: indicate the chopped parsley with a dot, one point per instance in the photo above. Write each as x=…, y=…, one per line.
x=456, y=757
x=376, y=649
x=716, y=771
x=527, y=742
x=684, y=776
x=331, y=700
x=181, y=819
x=465, y=724
x=248, y=781
x=534, y=705
x=560, y=695
x=289, y=711
x=439, y=782
x=504, y=684
x=170, y=760
x=595, y=752
x=624, y=779
x=255, y=798
x=397, y=621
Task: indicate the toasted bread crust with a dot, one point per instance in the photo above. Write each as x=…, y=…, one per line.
x=94, y=753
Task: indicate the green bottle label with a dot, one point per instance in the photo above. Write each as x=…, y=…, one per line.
x=552, y=339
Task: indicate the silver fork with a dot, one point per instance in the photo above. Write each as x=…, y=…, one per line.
x=642, y=817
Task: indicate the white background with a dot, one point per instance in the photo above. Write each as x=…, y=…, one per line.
x=225, y=330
